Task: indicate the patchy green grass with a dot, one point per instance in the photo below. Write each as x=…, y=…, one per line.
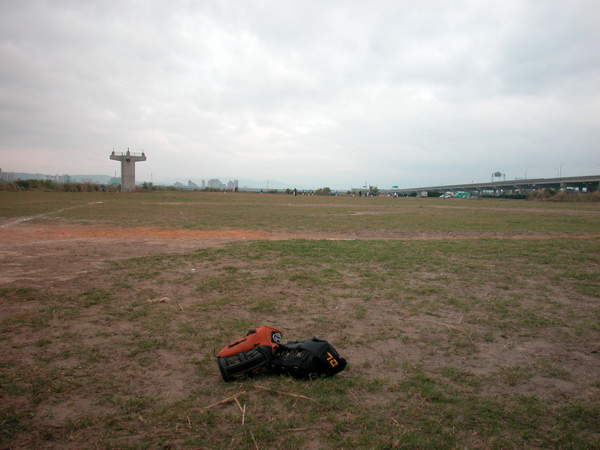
x=198, y=210
x=477, y=343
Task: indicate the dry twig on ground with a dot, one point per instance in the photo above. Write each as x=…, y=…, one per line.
x=226, y=400
x=290, y=394
x=242, y=410
x=254, y=440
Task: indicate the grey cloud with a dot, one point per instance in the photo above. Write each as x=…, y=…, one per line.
x=313, y=93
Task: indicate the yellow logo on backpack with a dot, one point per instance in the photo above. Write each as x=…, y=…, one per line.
x=332, y=361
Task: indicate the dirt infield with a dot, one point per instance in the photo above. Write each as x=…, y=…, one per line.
x=43, y=255
x=20, y=233
x=67, y=232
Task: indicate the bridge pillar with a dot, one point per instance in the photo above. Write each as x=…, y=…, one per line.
x=128, y=160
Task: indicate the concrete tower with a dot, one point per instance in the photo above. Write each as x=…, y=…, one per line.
x=128, y=161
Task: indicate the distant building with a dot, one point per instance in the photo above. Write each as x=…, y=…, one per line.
x=7, y=176
x=191, y=185
x=60, y=179
x=203, y=184
x=232, y=185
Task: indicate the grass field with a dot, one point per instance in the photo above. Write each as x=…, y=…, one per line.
x=466, y=323
x=312, y=214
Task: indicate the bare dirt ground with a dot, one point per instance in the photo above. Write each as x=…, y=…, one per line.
x=45, y=253
x=28, y=234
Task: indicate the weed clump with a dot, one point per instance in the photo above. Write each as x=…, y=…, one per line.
x=564, y=196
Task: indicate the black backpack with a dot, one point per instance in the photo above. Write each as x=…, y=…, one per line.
x=311, y=358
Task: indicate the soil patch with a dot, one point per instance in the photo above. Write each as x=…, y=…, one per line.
x=31, y=234
x=67, y=232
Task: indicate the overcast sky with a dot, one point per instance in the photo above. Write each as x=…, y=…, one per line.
x=310, y=93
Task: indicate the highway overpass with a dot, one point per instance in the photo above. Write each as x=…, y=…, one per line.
x=587, y=182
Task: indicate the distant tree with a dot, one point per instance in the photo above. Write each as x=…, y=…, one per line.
x=8, y=186
x=373, y=190
x=323, y=191
x=23, y=184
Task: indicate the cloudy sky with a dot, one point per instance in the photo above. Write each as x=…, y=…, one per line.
x=316, y=93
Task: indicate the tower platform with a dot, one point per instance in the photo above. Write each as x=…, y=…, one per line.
x=128, y=160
